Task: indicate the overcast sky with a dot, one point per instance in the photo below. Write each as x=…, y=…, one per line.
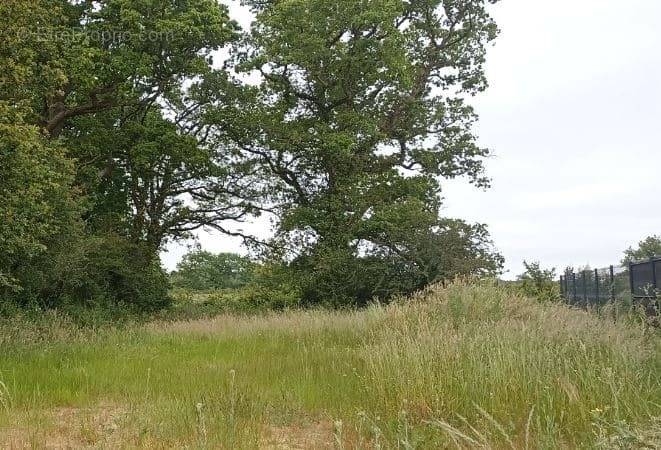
x=573, y=116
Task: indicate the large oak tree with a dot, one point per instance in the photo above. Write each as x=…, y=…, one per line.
x=360, y=113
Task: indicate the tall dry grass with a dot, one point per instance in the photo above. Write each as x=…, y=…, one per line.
x=467, y=366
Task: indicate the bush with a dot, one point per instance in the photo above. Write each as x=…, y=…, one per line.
x=391, y=261
x=47, y=257
x=539, y=283
x=270, y=290
x=95, y=272
x=110, y=271
x=38, y=209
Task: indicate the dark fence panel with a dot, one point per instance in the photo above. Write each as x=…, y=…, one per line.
x=645, y=282
x=640, y=281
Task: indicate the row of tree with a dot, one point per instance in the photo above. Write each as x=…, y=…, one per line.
x=121, y=129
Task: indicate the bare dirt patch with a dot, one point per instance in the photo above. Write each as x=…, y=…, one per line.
x=308, y=436
x=67, y=428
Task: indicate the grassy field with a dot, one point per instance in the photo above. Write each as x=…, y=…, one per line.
x=462, y=367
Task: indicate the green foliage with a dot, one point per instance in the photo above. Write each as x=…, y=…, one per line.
x=359, y=115
x=265, y=287
x=95, y=272
x=38, y=209
x=411, y=260
x=161, y=183
x=205, y=271
x=539, y=283
x=111, y=271
x=73, y=59
x=48, y=258
x=273, y=287
x=647, y=248
x=91, y=171
x=120, y=134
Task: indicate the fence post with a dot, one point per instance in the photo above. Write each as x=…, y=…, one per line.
x=585, y=287
x=562, y=287
x=612, y=286
x=596, y=286
x=633, y=294
x=654, y=280
x=575, y=296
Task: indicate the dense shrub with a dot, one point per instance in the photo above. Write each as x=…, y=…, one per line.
x=539, y=283
x=272, y=288
x=96, y=273
x=38, y=209
x=110, y=271
x=394, y=261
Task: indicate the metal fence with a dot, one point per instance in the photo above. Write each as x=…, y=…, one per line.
x=645, y=278
x=639, y=281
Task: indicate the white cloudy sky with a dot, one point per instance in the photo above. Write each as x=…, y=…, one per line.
x=573, y=116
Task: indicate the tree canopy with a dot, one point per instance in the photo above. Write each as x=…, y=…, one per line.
x=339, y=119
x=360, y=112
x=205, y=271
x=646, y=249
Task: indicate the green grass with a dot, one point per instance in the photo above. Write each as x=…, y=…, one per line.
x=467, y=366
